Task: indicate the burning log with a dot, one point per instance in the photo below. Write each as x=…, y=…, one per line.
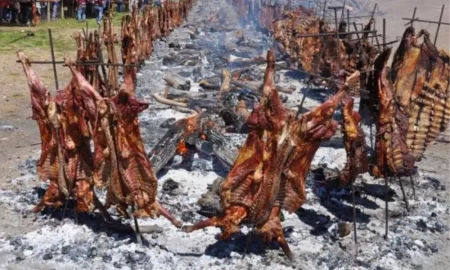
x=222, y=147
x=226, y=83
x=178, y=82
x=209, y=86
x=169, y=102
x=256, y=86
x=270, y=171
x=172, y=93
x=245, y=61
x=185, y=131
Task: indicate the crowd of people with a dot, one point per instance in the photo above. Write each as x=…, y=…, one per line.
x=21, y=12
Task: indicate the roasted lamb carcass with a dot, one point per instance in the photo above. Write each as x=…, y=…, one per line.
x=110, y=38
x=392, y=157
x=421, y=78
x=120, y=158
x=129, y=55
x=138, y=183
x=354, y=143
x=155, y=29
x=88, y=50
x=146, y=32
x=270, y=171
x=301, y=50
x=66, y=159
x=48, y=163
x=73, y=126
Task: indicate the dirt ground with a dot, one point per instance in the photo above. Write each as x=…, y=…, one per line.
x=20, y=141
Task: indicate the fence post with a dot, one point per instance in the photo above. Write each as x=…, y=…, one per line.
x=48, y=11
x=62, y=9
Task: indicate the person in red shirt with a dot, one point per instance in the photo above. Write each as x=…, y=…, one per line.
x=3, y=4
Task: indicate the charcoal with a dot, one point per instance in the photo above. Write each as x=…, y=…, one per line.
x=92, y=252
x=174, y=45
x=47, y=256
x=170, y=185
x=167, y=123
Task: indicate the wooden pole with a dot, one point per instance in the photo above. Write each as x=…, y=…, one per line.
x=348, y=20
x=300, y=107
x=53, y=58
x=337, y=38
x=373, y=12
x=384, y=33
x=343, y=10
x=355, y=236
x=439, y=25
x=386, y=210
x=102, y=65
x=425, y=21
x=413, y=17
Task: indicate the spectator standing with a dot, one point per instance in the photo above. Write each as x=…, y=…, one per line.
x=25, y=14
x=120, y=6
x=131, y=4
x=143, y=4
x=43, y=9
x=81, y=10
x=55, y=9
x=3, y=4
x=15, y=12
x=106, y=5
x=98, y=6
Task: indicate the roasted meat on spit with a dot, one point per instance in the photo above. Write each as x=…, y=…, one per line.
x=324, y=55
x=130, y=54
x=66, y=159
x=110, y=38
x=421, y=76
x=270, y=171
x=120, y=158
x=354, y=143
x=48, y=164
x=412, y=99
x=88, y=49
x=393, y=157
